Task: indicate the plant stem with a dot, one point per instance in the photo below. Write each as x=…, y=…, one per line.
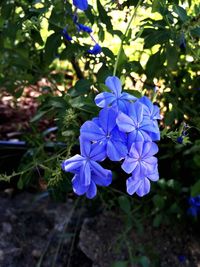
x=124, y=36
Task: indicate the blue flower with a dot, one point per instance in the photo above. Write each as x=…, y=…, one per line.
x=87, y=171
x=136, y=124
x=143, y=166
x=194, y=209
x=95, y=50
x=182, y=258
x=153, y=113
x=179, y=139
x=84, y=28
x=140, y=160
x=66, y=35
x=195, y=201
x=104, y=131
x=116, y=99
x=81, y=4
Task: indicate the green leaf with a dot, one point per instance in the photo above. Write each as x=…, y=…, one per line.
x=107, y=52
x=159, y=201
x=81, y=87
x=39, y=115
x=57, y=102
x=195, y=189
x=6, y=10
x=157, y=7
x=51, y=47
x=154, y=65
x=122, y=61
x=103, y=73
x=153, y=37
x=124, y=204
x=135, y=66
x=195, y=32
x=72, y=50
x=157, y=220
x=104, y=16
x=172, y=57
x=174, y=208
x=181, y=12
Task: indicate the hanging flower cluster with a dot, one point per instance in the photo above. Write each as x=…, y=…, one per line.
x=124, y=130
x=82, y=5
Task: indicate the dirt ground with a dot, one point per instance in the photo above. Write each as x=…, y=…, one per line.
x=37, y=231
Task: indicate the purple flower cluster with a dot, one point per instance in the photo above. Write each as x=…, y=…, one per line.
x=124, y=130
x=82, y=5
x=194, y=208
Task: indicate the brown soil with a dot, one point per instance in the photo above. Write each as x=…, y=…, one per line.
x=36, y=231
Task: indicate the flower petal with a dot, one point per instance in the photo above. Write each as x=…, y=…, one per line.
x=129, y=164
x=102, y=181
x=136, y=113
x=127, y=97
x=107, y=119
x=133, y=152
x=154, y=136
x=85, y=146
x=116, y=150
x=122, y=105
x=73, y=163
x=132, y=185
x=149, y=165
x=156, y=113
x=81, y=4
x=154, y=176
x=98, y=151
x=148, y=126
x=139, y=172
x=104, y=99
x=96, y=49
x=84, y=28
x=118, y=136
x=85, y=174
x=91, y=131
x=149, y=149
x=92, y=190
x=78, y=188
x=148, y=105
x=98, y=169
x=144, y=188
x=137, y=136
x=114, y=84
x=125, y=123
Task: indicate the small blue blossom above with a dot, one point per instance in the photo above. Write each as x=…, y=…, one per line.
x=125, y=130
x=83, y=6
